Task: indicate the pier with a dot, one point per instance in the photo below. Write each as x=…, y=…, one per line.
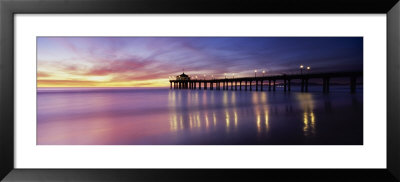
x=258, y=83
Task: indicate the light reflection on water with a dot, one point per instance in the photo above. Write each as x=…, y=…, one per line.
x=229, y=118
x=198, y=117
x=307, y=105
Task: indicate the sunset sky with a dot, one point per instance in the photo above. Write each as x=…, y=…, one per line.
x=150, y=61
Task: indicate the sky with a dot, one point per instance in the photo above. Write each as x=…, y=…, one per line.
x=150, y=61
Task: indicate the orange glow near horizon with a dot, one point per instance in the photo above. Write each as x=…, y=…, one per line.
x=92, y=83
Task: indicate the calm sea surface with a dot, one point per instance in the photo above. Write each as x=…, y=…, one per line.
x=131, y=116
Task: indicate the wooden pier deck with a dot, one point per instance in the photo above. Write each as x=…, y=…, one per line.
x=257, y=83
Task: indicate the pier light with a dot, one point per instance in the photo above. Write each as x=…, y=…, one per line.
x=196, y=77
x=308, y=68
x=233, y=74
x=301, y=69
x=255, y=73
x=204, y=76
x=225, y=75
x=263, y=73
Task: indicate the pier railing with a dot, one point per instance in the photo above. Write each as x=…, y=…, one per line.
x=247, y=83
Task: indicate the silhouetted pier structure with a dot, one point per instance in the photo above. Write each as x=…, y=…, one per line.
x=246, y=83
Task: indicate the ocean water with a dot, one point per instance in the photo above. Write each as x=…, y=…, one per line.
x=161, y=116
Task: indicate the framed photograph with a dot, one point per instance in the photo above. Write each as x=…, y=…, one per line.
x=125, y=91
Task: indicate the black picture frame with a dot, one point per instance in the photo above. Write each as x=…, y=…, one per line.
x=8, y=8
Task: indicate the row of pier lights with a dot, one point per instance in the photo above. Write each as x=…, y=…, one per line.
x=247, y=83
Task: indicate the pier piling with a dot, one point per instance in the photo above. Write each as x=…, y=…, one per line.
x=306, y=86
x=274, y=88
x=269, y=85
x=256, y=85
x=235, y=85
x=353, y=81
x=284, y=85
